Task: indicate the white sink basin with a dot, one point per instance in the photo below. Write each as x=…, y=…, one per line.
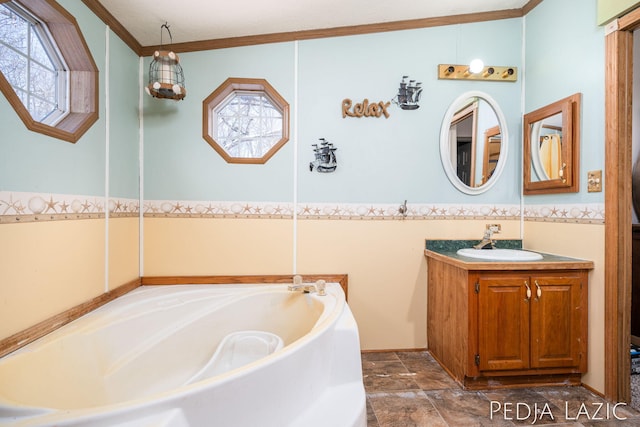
x=500, y=254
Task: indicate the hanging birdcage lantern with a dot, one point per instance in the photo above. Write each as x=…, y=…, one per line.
x=166, y=79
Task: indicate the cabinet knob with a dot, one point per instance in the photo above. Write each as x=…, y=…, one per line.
x=538, y=291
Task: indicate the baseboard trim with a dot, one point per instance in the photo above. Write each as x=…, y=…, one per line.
x=26, y=336
x=592, y=390
x=401, y=350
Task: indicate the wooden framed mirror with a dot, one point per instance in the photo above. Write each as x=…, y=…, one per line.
x=552, y=147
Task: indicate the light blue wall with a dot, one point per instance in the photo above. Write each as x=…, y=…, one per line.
x=379, y=160
x=180, y=165
x=31, y=162
x=389, y=160
x=124, y=124
x=563, y=57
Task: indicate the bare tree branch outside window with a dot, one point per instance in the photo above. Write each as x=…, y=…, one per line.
x=248, y=125
x=29, y=62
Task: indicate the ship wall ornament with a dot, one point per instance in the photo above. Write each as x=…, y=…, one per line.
x=325, y=155
x=408, y=94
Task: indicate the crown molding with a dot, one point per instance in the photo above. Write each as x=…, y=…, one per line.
x=99, y=10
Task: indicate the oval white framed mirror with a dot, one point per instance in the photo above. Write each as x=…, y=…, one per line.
x=473, y=142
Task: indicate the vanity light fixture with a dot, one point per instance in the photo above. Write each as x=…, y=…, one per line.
x=477, y=71
x=166, y=79
x=408, y=94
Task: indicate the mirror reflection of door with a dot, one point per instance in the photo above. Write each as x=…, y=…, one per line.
x=474, y=142
x=463, y=160
x=492, y=144
x=462, y=138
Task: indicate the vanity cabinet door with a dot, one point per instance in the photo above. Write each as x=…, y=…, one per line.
x=531, y=321
x=556, y=321
x=503, y=322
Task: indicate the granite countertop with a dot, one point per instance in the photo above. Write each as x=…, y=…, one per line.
x=445, y=250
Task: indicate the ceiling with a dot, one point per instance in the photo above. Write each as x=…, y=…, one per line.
x=199, y=20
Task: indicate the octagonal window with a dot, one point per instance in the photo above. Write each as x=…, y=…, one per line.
x=246, y=120
x=46, y=70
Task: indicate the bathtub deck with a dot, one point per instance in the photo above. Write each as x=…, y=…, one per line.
x=411, y=389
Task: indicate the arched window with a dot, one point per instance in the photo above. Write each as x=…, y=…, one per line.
x=46, y=70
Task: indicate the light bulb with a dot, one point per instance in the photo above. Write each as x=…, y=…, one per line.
x=476, y=66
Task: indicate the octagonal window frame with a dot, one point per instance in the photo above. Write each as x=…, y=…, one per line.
x=239, y=86
x=83, y=84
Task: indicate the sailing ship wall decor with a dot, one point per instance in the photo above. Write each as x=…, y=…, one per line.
x=325, y=154
x=408, y=94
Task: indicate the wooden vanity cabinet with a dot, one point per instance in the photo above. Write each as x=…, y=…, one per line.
x=529, y=321
x=494, y=328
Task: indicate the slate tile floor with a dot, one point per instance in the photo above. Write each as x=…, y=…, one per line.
x=406, y=389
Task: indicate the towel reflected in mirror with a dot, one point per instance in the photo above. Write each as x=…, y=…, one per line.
x=551, y=155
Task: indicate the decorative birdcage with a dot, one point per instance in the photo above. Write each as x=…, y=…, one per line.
x=166, y=78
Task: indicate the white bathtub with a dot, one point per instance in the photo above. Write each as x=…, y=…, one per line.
x=133, y=361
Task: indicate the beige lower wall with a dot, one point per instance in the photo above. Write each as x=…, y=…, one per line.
x=584, y=241
x=48, y=267
x=124, y=250
x=387, y=270
x=383, y=258
x=209, y=246
x=387, y=275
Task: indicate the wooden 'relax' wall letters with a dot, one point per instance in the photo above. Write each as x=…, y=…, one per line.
x=364, y=109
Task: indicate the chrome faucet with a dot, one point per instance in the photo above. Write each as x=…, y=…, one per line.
x=304, y=287
x=487, y=241
x=318, y=287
